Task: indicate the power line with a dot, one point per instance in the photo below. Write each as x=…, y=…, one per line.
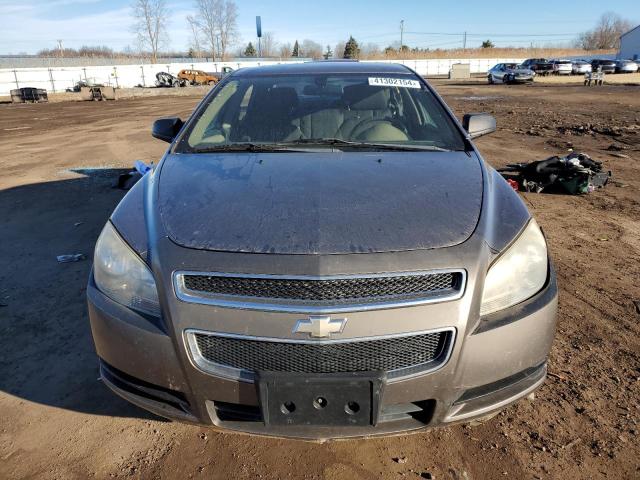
x=493, y=34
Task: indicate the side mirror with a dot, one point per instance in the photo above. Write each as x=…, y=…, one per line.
x=478, y=124
x=166, y=128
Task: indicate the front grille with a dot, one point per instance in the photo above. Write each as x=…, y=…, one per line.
x=389, y=354
x=334, y=290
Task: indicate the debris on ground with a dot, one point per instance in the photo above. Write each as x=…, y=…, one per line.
x=127, y=180
x=575, y=173
x=75, y=257
x=400, y=460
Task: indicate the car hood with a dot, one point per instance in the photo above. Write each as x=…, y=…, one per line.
x=320, y=202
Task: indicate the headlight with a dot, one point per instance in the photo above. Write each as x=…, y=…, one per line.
x=121, y=275
x=518, y=274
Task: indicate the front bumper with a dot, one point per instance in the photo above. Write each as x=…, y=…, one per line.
x=495, y=363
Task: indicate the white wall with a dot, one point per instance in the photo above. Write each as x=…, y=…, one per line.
x=57, y=79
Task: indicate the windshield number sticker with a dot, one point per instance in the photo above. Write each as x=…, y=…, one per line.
x=393, y=82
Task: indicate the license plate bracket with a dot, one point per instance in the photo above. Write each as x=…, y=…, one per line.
x=351, y=399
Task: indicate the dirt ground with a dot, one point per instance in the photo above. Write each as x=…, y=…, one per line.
x=58, y=163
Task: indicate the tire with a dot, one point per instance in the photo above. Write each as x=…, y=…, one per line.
x=490, y=78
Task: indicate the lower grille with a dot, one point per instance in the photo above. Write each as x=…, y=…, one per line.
x=395, y=355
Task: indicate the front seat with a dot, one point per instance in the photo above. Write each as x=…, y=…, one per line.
x=368, y=117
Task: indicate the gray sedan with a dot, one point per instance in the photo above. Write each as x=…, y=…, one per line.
x=322, y=252
x=510, y=73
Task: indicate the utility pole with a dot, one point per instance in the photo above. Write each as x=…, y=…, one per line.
x=401, y=33
x=60, y=48
x=464, y=41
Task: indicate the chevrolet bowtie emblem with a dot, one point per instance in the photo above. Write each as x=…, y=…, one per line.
x=320, y=327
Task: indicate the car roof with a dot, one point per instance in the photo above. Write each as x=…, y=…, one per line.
x=324, y=67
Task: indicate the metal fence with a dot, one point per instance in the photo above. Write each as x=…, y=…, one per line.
x=58, y=79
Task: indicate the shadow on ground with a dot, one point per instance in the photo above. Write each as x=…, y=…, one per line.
x=47, y=351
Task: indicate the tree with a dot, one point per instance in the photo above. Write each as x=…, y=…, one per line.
x=351, y=49
x=606, y=34
x=369, y=50
x=228, y=26
x=195, y=28
x=328, y=53
x=268, y=44
x=150, y=21
x=296, y=50
x=250, y=51
x=285, y=50
x=487, y=44
x=311, y=49
x=218, y=22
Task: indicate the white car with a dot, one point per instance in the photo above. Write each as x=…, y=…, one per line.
x=626, y=66
x=580, y=67
x=562, y=67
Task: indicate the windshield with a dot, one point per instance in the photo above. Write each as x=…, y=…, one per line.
x=343, y=110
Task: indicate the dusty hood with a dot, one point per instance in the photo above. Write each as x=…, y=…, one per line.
x=320, y=203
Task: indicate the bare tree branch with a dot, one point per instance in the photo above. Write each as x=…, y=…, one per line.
x=606, y=34
x=195, y=28
x=228, y=26
x=269, y=44
x=150, y=24
x=218, y=21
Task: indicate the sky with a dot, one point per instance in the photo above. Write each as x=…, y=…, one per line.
x=27, y=26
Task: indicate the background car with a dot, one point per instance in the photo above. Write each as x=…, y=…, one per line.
x=606, y=66
x=539, y=65
x=562, y=67
x=579, y=67
x=510, y=73
x=198, y=77
x=626, y=66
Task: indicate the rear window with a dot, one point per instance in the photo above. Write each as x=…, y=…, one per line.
x=375, y=108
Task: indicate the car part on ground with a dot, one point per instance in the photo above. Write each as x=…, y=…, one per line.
x=29, y=95
x=78, y=86
x=98, y=93
x=575, y=174
x=510, y=73
x=351, y=291
x=127, y=180
x=540, y=66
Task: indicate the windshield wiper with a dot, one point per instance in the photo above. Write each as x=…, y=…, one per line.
x=376, y=146
x=244, y=147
